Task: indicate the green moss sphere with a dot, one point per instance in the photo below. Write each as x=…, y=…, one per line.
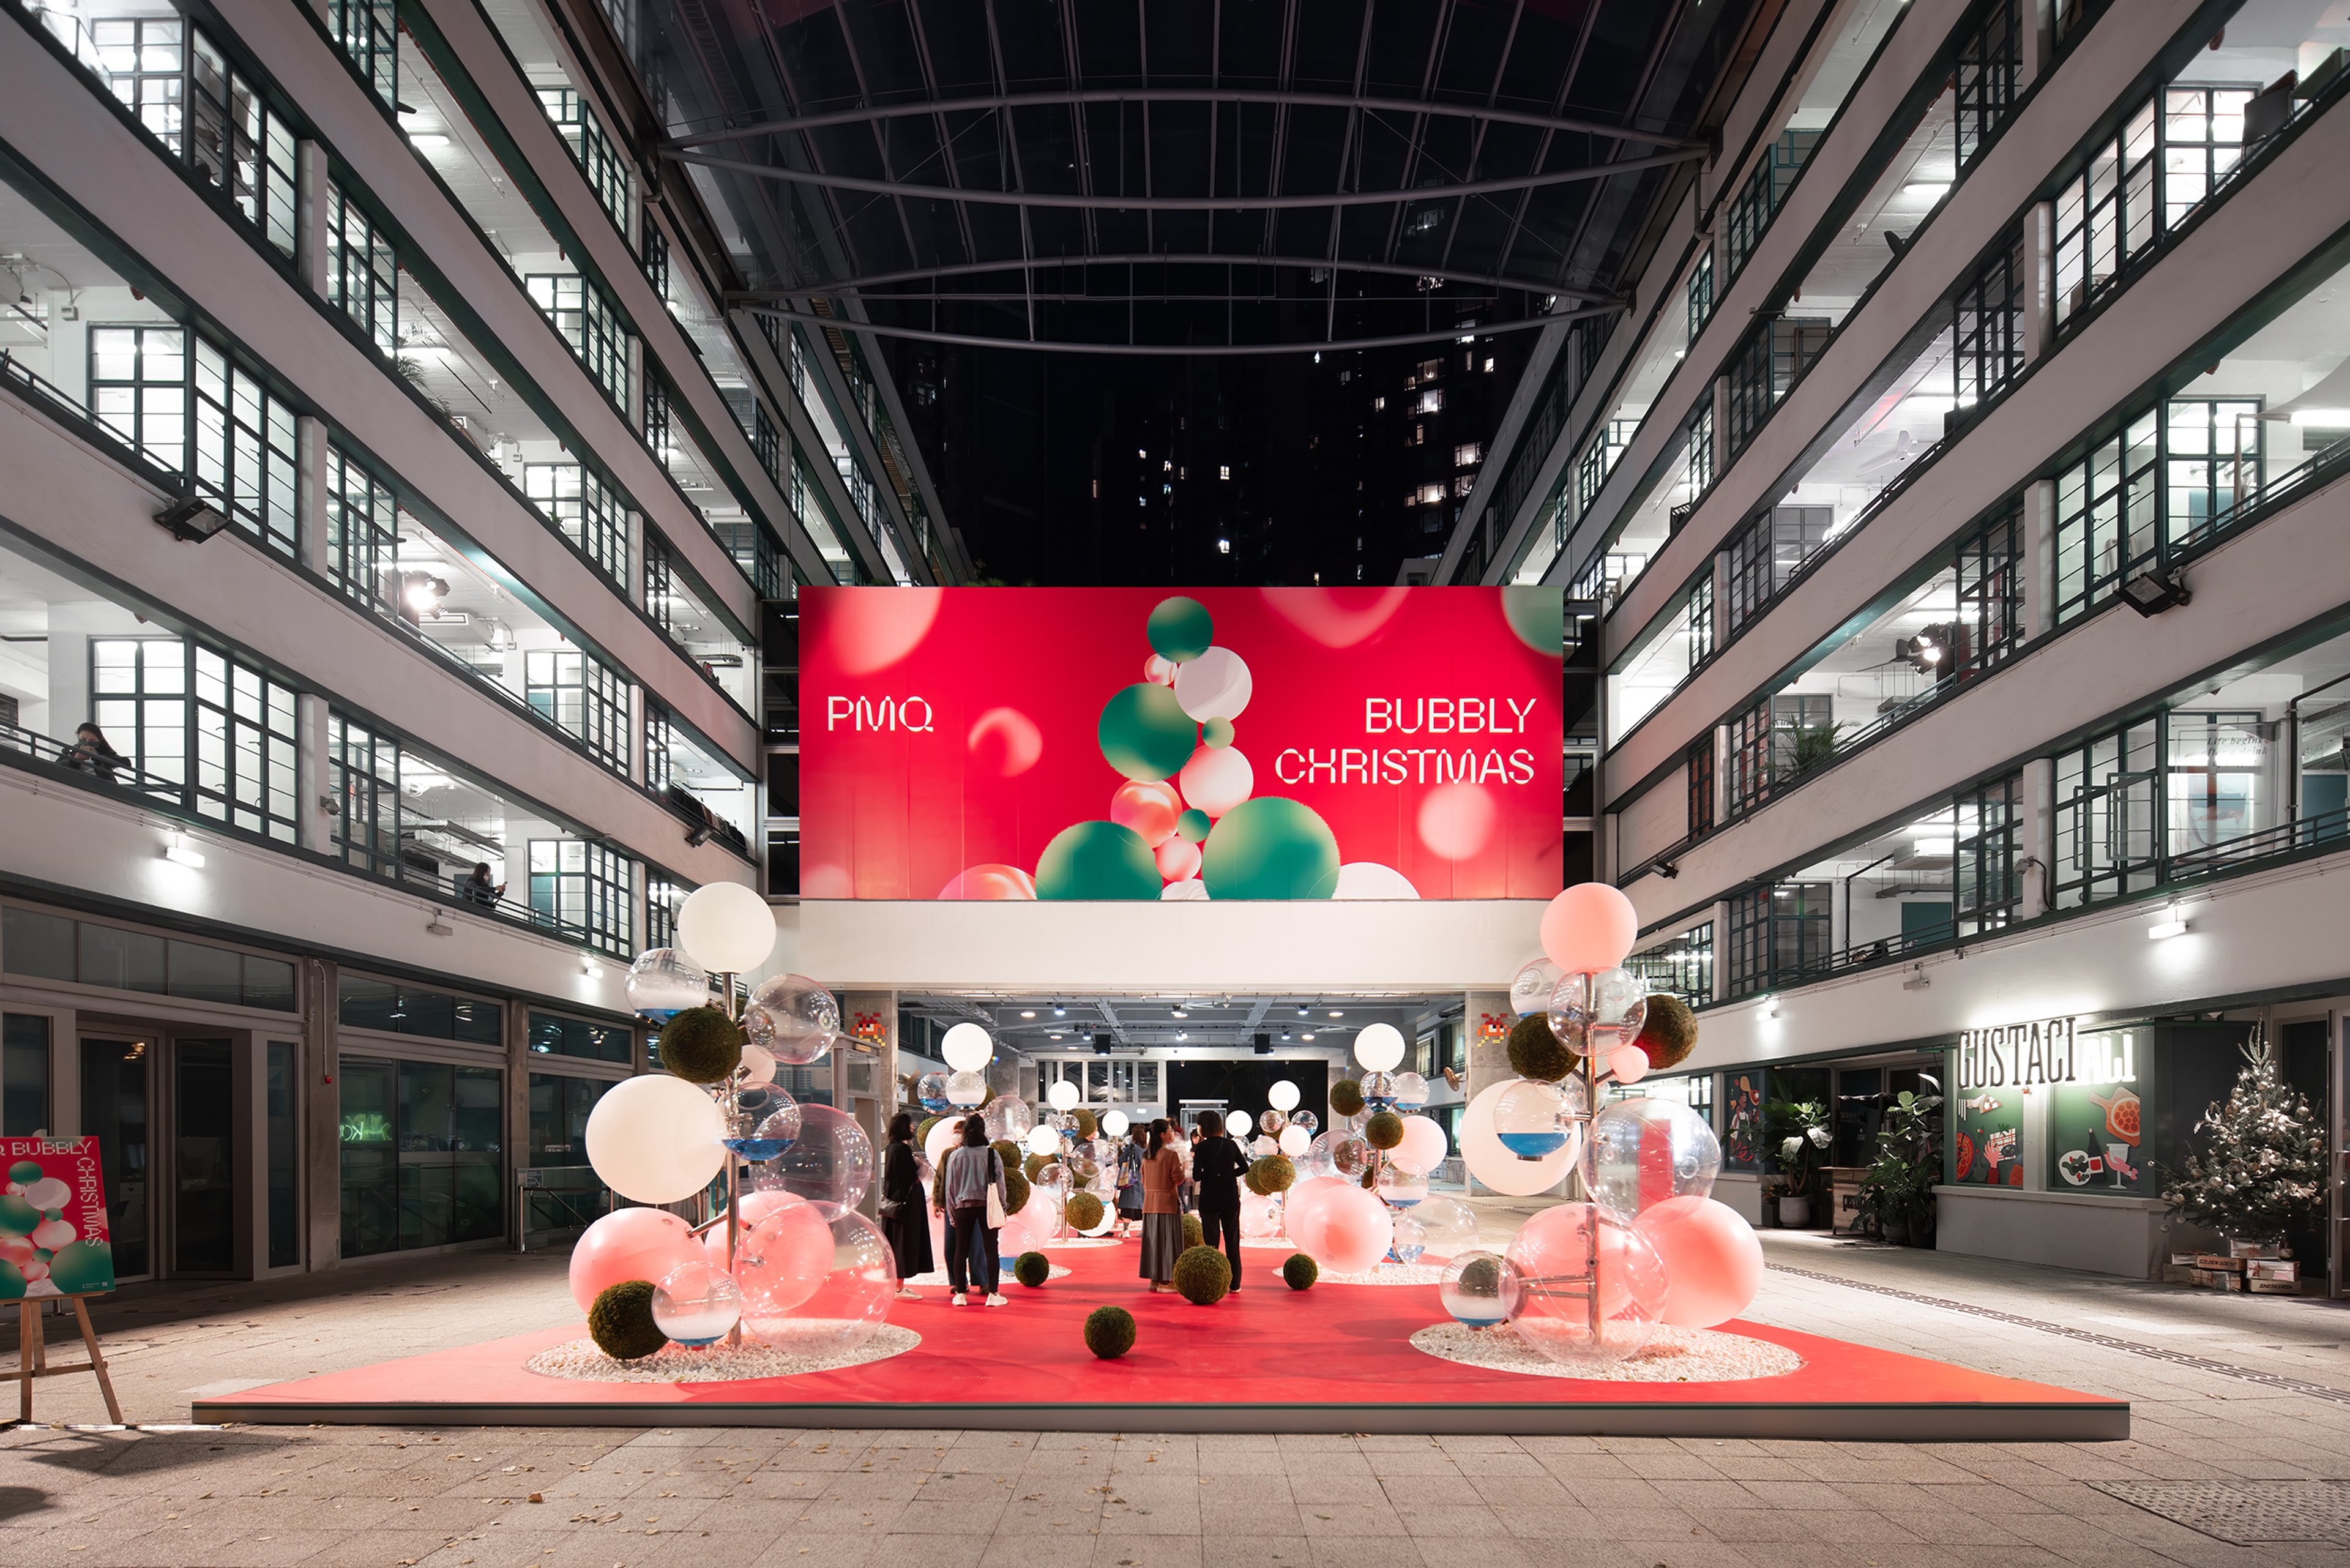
x=1087, y=1126
x=1536, y=1052
x=922, y=1132
x=1384, y=1130
x=1083, y=1212
x=1203, y=1275
x=1032, y=1268
x=1009, y=1151
x=1670, y=1032
x=1015, y=1186
x=1347, y=1098
x=701, y=1045
x=1033, y=1165
x=1273, y=1173
x=1109, y=1332
x=621, y=1321
x=1193, y=1235
x=1300, y=1271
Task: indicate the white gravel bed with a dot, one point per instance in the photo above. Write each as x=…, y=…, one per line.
x=581, y=1362
x=1672, y=1355
x=1389, y=1275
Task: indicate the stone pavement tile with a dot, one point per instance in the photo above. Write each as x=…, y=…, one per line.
x=731, y=1516
x=1616, y=1494
x=1481, y=1551
x=385, y=1549
x=1594, y=1464
x=1548, y=1446
x=1491, y=1443
x=1677, y=1464
x=76, y=1545
x=1520, y=1492
x=1352, y=1519
x=1405, y=1463
x=1889, y=1554
x=1820, y=1525
x=871, y=1513
x=1252, y=1488
x=674, y=1438
x=1795, y=1496
x=1228, y=1520
x=1237, y=1443
x=1154, y=1488
x=1610, y=1525
x=1128, y=1551
x=1760, y=1468
x=1538, y=1521
x=1692, y=1494
x=805, y=1549
x=1315, y=1442
x=1451, y=1520
x=1325, y=1491
x=1167, y=1520
x=1362, y=1551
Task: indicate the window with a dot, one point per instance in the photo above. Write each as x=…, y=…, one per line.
x=2109, y=815
x=656, y=261
x=362, y=271
x=245, y=747
x=1223, y=471
x=1988, y=319
x=23, y=1075
x=1682, y=967
x=662, y=896
x=1990, y=74
x=246, y=454
x=570, y=1197
x=367, y=32
x=1768, y=554
x=658, y=737
x=584, y=317
x=1749, y=758
x=2106, y=214
x=2211, y=459
x=144, y=62
x=657, y=418
x=241, y=147
x=1986, y=823
x=2202, y=141
x=1700, y=618
x=554, y=1035
x=1774, y=355
x=422, y=1153
x=1697, y=464
x=2213, y=777
x=138, y=697
x=580, y=697
x=1700, y=290
x=1758, y=201
x=362, y=531
x=607, y=175
x=139, y=389
x=1778, y=933
x=1698, y=768
x=1990, y=573
x=2106, y=522
x=1431, y=402
x=363, y=781
x=1469, y=455
x=394, y=1007
x=584, y=510
x=51, y=947
x=585, y=887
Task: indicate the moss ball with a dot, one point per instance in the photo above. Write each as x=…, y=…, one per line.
x=1384, y=1130
x=922, y=1132
x=1273, y=1173
x=701, y=1046
x=1193, y=1235
x=1300, y=1271
x=1347, y=1098
x=1084, y=1212
x=621, y=1321
x=1087, y=1126
x=1033, y=1165
x=1481, y=1276
x=1536, y=1052
x=1109, y=1332
x=1670, y=1032
x=1032, y=1268
x=1015, y=1186
x=1010, y=1152
x=1249, y=1180
x=1203, y=1275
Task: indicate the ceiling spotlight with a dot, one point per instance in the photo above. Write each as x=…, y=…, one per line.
x=1029, y=1014
x=1059, y=1011
x=1303, y=1012
x=429, y=139
x=1336, y=1014
x=1308, y=1038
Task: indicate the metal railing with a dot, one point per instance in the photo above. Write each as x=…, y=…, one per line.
x=2326, y=830
x=103, y=768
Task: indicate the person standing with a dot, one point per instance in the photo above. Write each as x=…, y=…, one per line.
x=1129, y=1181
x=1162, y=1221
x=974, y=1170
x=1216, y=1167
x=91, y=753
x=904, y=1206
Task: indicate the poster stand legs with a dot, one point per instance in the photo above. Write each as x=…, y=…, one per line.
x=32, y=1358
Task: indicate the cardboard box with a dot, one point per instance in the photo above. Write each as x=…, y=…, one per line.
x=2218, y=1280
x=2274, y=1287
x=2254, y=1250
x=2216, y=1263
x=2271, y=1269
x=2179, y=1275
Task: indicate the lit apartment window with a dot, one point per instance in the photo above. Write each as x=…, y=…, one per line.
x=585, y=510
x=580, y=697
x=1224, y=471
x=1469, y=455
x=1431, y=495
x=585, y=319
x=188, y=715
x=585, y=887
x=1429, y=369
x=607, y=175
x=662, y=896
x=139, y=389
x=145, y=62
x=1432, y=401
x=362, y=271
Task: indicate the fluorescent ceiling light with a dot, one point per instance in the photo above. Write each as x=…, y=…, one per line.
x=1933, y=188
x=429, y=140
x=181, y=852
x=1933, y=846
x=2331, y=417
x=2173, y=924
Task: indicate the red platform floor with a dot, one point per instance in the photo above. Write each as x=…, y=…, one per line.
x=1335, y=1358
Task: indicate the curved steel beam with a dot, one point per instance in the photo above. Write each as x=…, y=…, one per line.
x=1188, y=95
x=1144, y=258
x=1178, y=350
x=1180, y=204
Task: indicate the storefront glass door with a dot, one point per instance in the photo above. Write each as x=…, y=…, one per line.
x=114, y=1100
x=203, y=1158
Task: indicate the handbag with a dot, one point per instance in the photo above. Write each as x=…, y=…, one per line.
x=996, y=1215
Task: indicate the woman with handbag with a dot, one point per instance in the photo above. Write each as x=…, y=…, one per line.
x=977, y=1200
x=1162, y=1223
x=905, y=1208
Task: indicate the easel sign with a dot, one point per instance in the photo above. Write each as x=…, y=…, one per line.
x=53, y=1243
x=53, y=1238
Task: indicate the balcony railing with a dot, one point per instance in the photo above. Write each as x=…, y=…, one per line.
x=101, y=768
x=2325, y=831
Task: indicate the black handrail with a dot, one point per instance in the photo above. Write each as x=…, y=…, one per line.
x=106, y=767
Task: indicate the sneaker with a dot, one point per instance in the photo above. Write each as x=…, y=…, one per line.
x=997, y=1300
x=960, y=1300
x=909, y=1295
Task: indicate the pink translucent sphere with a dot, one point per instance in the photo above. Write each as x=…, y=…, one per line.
x=1006, y=741
x=1159, y=671
x=1217, y=779
x=1148, y=807
x=1348, y=1231
x=1457, y=820
x=1713, y=1257
x=628, y=1245
x=1179, y=860
x=1588, y=928
x=872, y=630
x=784, y=1254
x=1552, y=1253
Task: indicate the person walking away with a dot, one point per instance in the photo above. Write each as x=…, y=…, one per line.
x=974, y=1172
x=1129, y=1181
x=1216, y=1165
x=905, y=1208
x=89, y=754
x=1162, y=1221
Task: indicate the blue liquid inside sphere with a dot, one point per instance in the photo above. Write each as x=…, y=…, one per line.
x=934, y=1102
x=1406, y=1254
x=1478, y=1321
x=696, y=1344
x=1534, y=1145
x=755, y=1148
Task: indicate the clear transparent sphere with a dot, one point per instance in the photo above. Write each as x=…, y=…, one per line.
x=932, y=1090
x=1410, y=1091
x=1530, y=991
x=1647, y=1150
x=697, y=1304
x=965, y=1089
x=664, y=981
x=1479, y=1289
x=1530, y=1118
x=792, y=1018
x=1577, y=1313
x=850, y=1300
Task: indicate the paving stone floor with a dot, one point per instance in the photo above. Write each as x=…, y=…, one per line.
x=2235, y=1398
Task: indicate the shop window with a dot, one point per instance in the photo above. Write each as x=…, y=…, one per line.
x=579, y=695
x=585, y=510
x=422, y=1153
x=390, y=1007
x=584, y=318
x=585, y=887
x=52, y=947
x=551, y=1034
x=139, y=389
x=568, y=1196
x=281, y=1109
x=23, y=1075
x=367, y=32
x=362, y=271
x=606, y=173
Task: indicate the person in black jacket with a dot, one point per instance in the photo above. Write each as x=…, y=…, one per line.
x=904, y=1206
x=1216, y=1165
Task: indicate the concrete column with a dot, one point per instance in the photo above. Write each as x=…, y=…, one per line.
x=310, y=493
x=1721, y=437
x=2038, y=558
x=310, y=218
x=1721, y=951
x=2039, y=281
x=1721, y=776
x=2039, y=835
x=517, y=1117
x=321, y=1111
x=315, y=807
x=2033, y=19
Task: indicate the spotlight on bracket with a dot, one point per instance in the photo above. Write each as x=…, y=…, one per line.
x=192, y=520
x=2153, y=591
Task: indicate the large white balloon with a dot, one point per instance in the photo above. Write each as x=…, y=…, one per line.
x=1423, y=1147
x=1379, y=1047
x=1114, y=1123
x=1216, y=685
x=1295, y=1140
x=1283, y=1095
x=1044, y=1140
x=1490, y=1162
x=654, y=1140
x=967, y=1047
x=1064, y=1096
x=726, y=927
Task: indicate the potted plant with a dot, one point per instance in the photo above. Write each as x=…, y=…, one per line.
x=1801, y=1127
x=1896, y=1194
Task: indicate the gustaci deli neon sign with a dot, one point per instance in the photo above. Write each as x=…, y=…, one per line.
x=2044, y=1051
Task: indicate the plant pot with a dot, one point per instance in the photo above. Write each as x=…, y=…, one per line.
x=1895, y=1232
x=1795, y=1210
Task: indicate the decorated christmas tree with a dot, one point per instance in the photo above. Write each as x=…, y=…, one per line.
x=2262, y=1170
